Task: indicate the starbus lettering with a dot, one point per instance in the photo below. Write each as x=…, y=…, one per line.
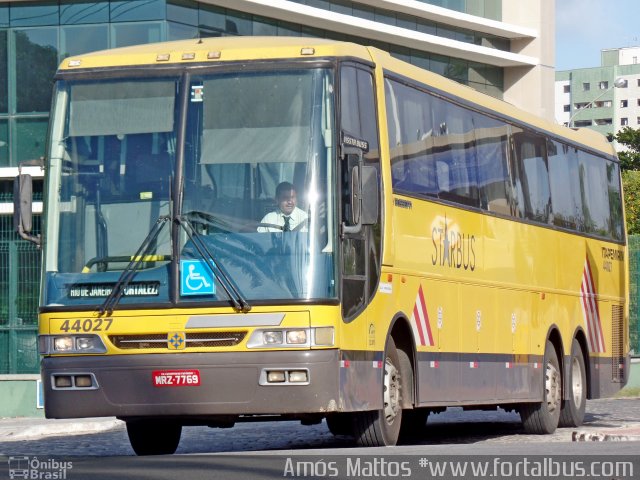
x=453, y=249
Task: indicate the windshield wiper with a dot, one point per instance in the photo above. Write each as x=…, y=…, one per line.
x=240, y=304
x=130, y=270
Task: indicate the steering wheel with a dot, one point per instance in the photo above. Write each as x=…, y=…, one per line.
x=270, y=225
x=297, y=228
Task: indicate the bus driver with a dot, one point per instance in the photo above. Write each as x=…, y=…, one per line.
x=287, y=216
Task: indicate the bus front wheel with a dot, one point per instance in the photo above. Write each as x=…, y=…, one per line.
x=153, y=437
x=572, y=412
x=543, y=417
x=381, y=428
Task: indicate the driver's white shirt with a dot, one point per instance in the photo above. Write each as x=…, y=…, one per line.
x=297, y=217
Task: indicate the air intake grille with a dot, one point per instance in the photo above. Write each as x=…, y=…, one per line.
x=617, y=343
x=193, y=340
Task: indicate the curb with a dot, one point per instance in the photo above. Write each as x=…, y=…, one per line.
x=15, y=432
x=582, y=436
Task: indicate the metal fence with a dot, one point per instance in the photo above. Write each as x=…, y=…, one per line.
x=19, y=289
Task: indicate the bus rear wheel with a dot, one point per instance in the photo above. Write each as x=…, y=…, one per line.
x=543, y=417
x=153, y=437
x=381, y=428
x=572, y=413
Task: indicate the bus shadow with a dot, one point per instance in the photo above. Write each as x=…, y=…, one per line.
x=461, y=433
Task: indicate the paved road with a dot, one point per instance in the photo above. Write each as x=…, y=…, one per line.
x=277, y=449
x=491, y=430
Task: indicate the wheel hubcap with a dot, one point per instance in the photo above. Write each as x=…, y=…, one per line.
x=576, y=382
x=552, y=386
x=391, y=391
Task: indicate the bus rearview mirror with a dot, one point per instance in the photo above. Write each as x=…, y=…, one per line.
x=365, y=198
x=370, y=195
x=22, y=203
x=356, y=202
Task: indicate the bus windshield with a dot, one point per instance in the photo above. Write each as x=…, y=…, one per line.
x=118, y=168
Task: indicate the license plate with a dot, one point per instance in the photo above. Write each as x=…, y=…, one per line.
x=176, y=378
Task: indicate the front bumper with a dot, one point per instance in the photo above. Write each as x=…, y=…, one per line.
x=230, y=385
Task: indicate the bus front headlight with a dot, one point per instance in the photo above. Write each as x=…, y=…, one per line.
x=65, y=344
x=272, y=338
x=292, y=338
x=90, y=343
x=296, y=337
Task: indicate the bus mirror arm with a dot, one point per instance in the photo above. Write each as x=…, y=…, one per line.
x=22, y=203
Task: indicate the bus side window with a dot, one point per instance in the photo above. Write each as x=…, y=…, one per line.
x=531, y=177
x=493, y=174
x=564, y=181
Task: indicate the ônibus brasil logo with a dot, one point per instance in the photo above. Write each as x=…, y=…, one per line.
x=34, y=468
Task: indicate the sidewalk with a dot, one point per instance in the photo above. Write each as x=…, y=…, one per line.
x=23, y=428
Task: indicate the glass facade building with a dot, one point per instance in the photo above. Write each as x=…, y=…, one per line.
x=36, y=36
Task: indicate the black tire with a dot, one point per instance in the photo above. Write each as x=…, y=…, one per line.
x=543, y=417
x=154, y=437
x=340, y=423
x=380, y=428
x=572, y=412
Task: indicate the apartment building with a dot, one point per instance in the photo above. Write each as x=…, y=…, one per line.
x=604, y=98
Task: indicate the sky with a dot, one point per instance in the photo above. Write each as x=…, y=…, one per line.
x=584, y=27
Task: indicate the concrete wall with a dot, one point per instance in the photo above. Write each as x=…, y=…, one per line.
x=538, y=81
x=634, y=374
x=629, y=56
x=19, y=396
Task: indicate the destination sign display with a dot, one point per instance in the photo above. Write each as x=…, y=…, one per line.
x=91, y=290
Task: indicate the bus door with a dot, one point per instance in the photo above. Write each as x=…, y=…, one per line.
x=360, y=229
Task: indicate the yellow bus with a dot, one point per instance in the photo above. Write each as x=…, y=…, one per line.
x=443, y=248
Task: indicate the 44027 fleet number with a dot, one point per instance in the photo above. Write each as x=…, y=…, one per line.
x=86, y=325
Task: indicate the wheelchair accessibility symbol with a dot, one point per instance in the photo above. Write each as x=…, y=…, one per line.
x=196, y=278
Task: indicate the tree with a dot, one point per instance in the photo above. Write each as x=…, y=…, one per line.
x=630, y=167
x=630, y=138
x=631, y=185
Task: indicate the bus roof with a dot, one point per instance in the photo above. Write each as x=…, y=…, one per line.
x=221, y=49
x=215, y=50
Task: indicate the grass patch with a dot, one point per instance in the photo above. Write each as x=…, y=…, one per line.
x=628, y=392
